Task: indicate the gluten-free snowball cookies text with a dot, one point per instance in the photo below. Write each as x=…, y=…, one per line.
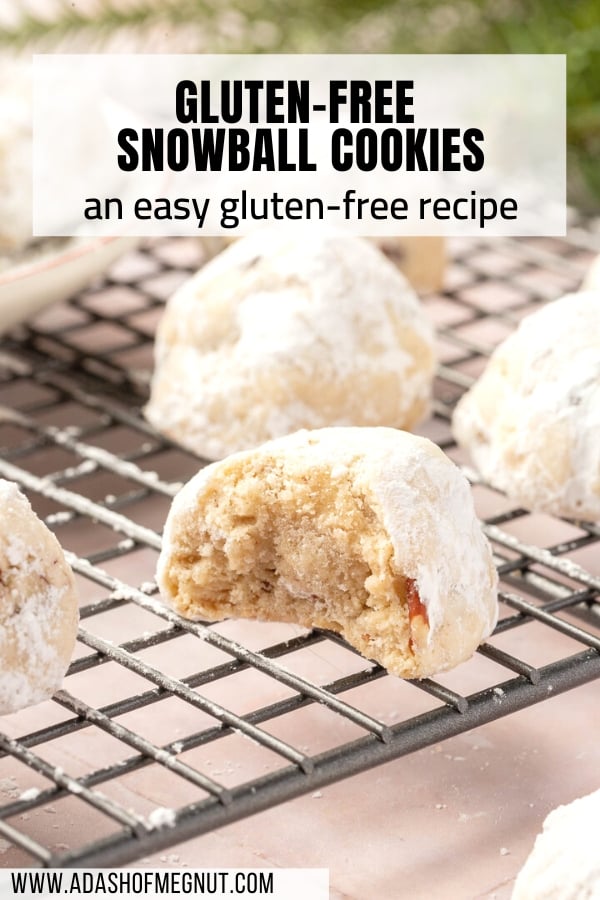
x=377, y=144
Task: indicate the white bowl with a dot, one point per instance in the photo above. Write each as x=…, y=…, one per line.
x=27, y=288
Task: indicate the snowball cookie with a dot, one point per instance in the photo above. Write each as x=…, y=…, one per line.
x=368, y=532
x=421, y=259
x=532, y=420
x=276, y=335
x=564, y=863
x=38, y=605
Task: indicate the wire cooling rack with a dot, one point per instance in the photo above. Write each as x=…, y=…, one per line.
x=149, y=693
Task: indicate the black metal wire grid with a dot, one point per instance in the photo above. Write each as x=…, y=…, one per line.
x=72, y=435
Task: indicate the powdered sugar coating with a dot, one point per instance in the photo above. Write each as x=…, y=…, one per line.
x=427, y=510
x=532, y=420
x=419, y=521
x=274, y=335
x=564, y=863
x=38, y=605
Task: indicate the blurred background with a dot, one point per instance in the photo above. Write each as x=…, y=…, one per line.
x=361, y=26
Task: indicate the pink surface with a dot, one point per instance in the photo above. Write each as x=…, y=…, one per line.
x=455, y=820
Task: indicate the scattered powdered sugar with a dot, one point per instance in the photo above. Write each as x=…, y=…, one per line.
x=86, y=467
x=8, y=786
x=161, y=817
x=126, y=544
x=59, y=518
x=147, y=587
x=120, y=594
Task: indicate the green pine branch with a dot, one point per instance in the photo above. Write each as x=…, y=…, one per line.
x=107, y=19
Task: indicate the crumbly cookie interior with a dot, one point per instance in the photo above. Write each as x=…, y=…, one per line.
x=311, y=551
